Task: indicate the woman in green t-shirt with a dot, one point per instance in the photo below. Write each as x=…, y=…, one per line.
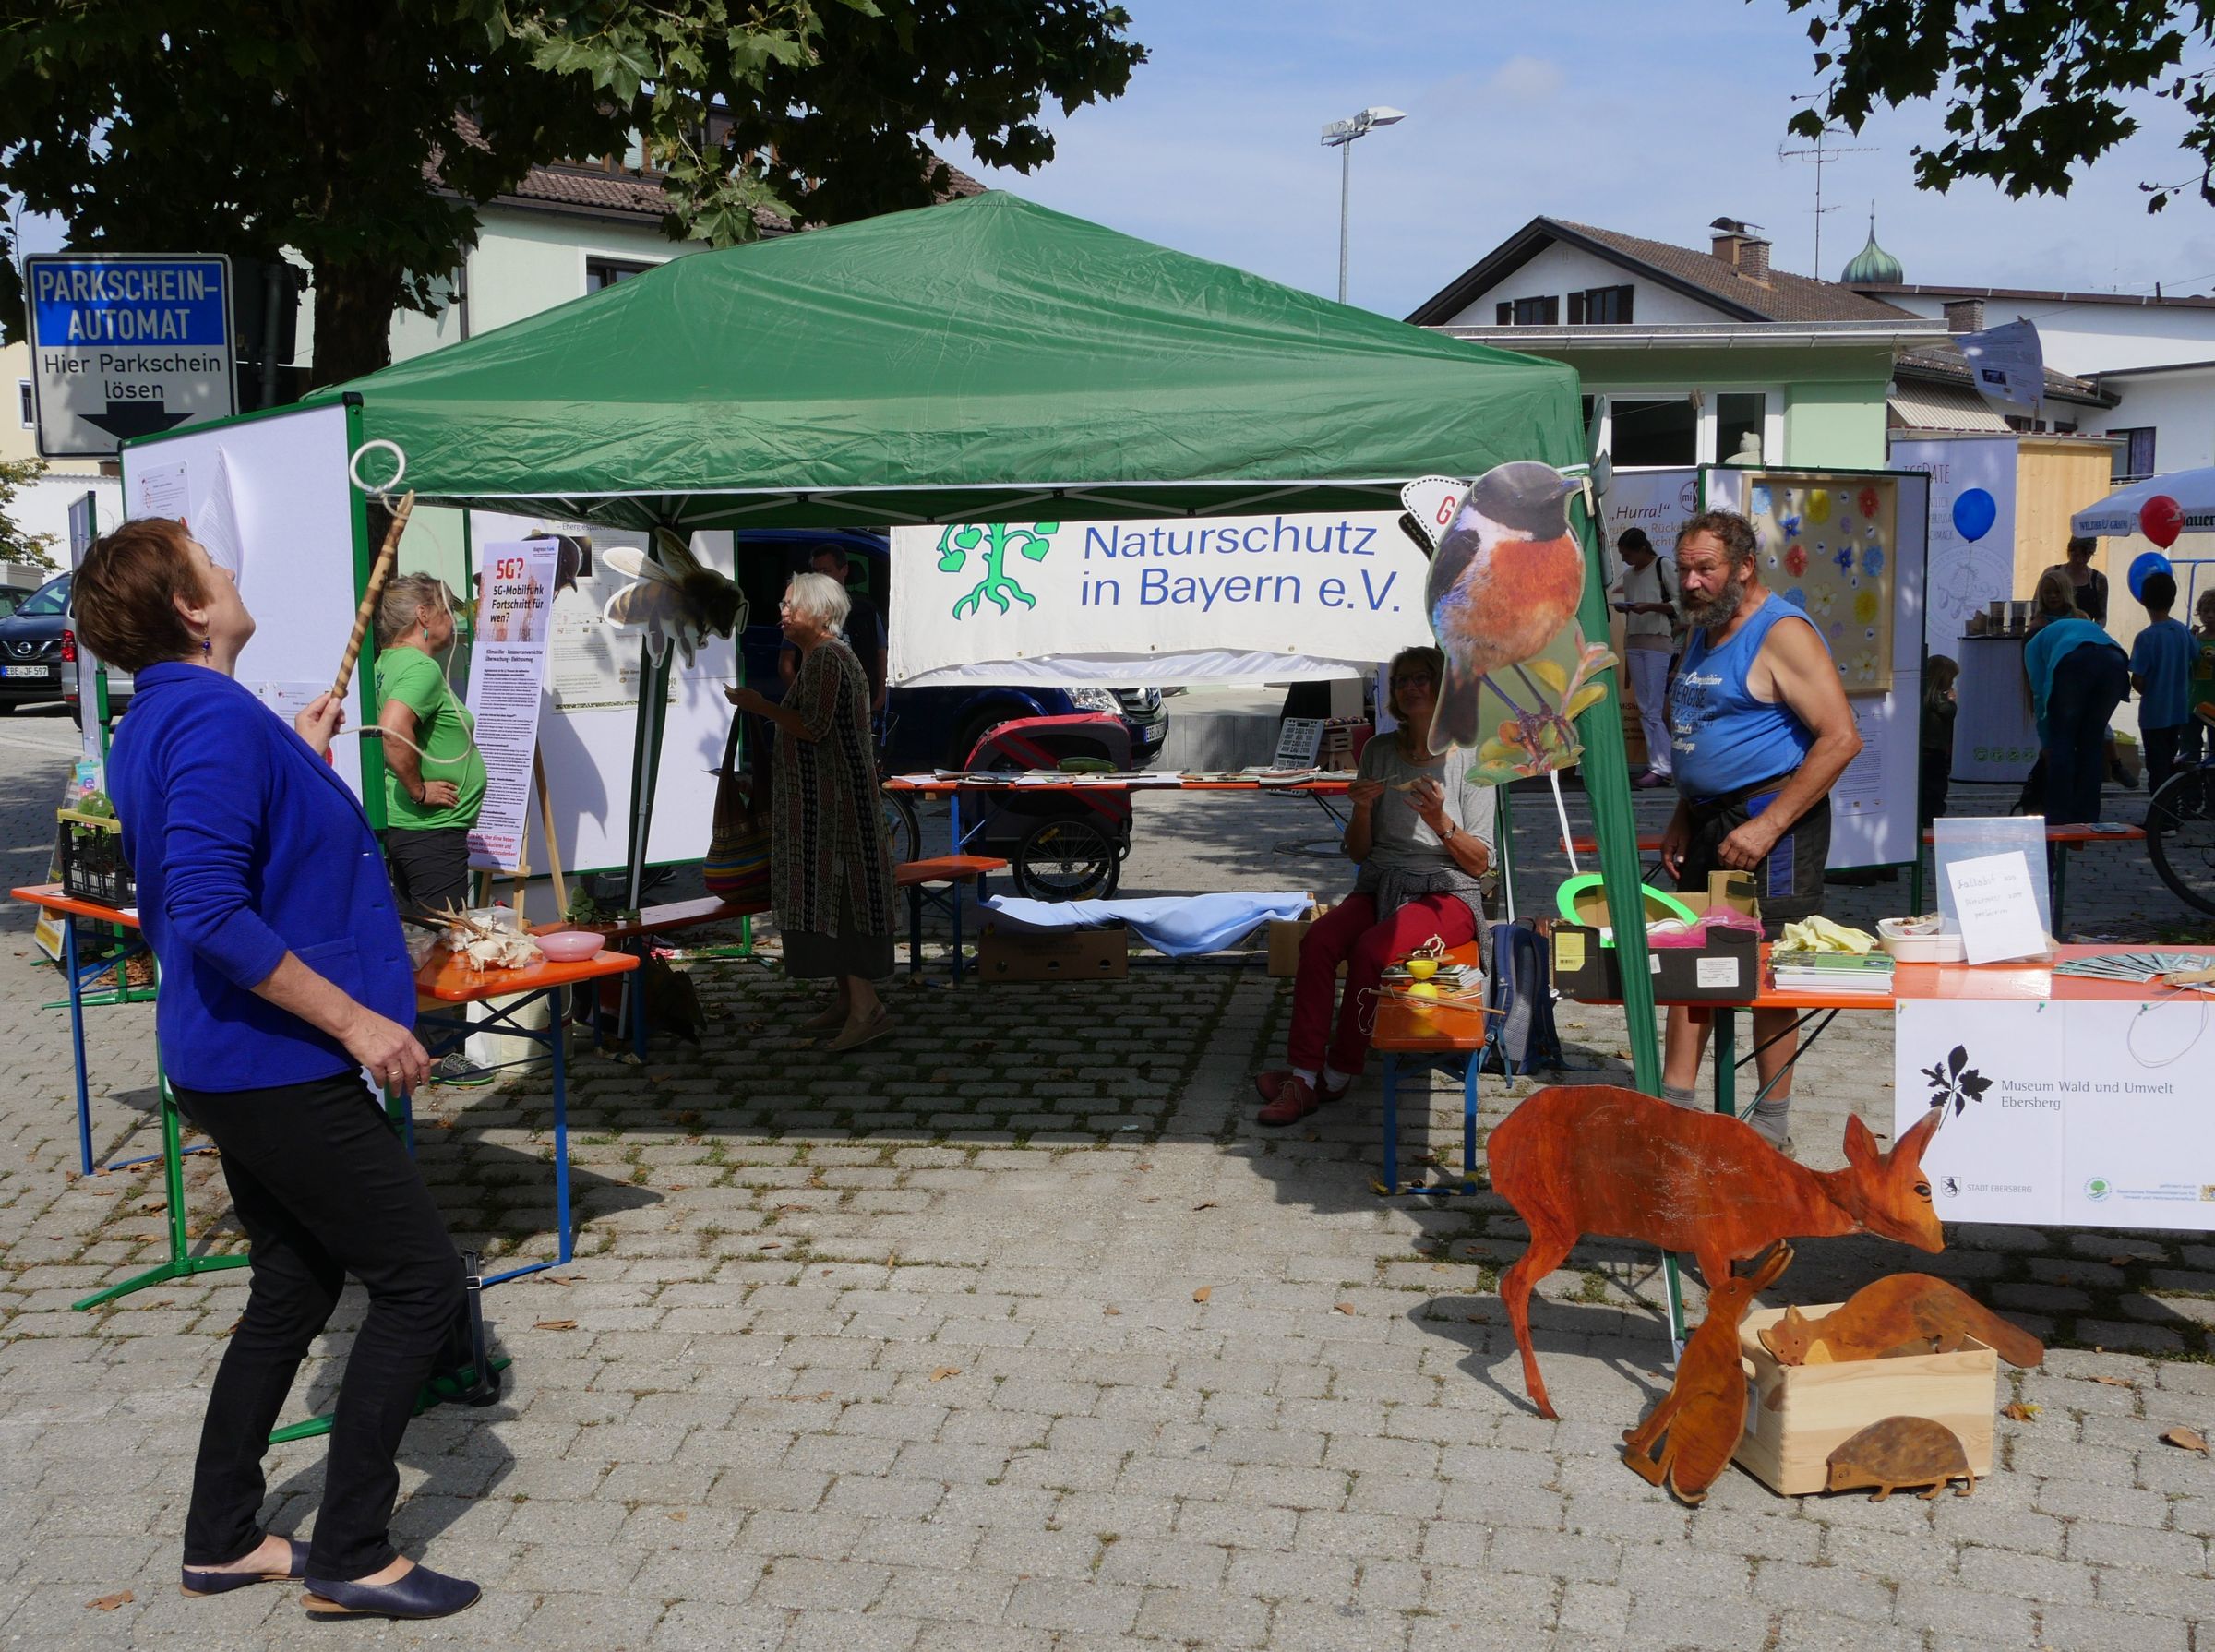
x=434, y=774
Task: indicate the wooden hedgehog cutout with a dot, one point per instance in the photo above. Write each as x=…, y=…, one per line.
x=1899, y=1452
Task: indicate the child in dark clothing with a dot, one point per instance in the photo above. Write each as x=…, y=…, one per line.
x=1938, y=708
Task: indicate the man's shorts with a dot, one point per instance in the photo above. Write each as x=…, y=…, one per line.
x=1790, y=883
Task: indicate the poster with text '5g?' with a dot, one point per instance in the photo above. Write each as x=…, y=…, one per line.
x=507, y=670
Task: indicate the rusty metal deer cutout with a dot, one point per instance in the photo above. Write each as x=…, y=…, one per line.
x=1579, y=1159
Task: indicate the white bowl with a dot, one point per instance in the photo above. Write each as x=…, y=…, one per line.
x=1924, y=949
x=571, y=946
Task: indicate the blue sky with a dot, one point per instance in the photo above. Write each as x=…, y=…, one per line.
x=1647, y=116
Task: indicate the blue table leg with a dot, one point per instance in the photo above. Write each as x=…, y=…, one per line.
x=1472, y=1070
x=1392, y=1123
x=77, y=1039
x=556, y=1044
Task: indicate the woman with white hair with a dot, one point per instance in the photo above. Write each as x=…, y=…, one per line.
x=830, y=870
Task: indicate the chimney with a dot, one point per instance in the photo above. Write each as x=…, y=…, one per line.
x=1965, y=315
x=1735, y=243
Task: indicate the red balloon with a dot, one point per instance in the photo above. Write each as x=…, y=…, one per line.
x=2162, y=519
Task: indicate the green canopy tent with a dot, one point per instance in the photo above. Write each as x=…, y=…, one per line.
x=986, y=359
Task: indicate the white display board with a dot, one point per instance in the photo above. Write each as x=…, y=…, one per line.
x=277, y=488
x=1965, y=573
x=588, y=723
x=1873, y=805
x=1274, y=598
x=2071, y=1113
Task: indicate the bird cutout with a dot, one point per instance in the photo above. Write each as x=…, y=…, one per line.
x=1505, y=582
x=674, y=597
x=572, y=560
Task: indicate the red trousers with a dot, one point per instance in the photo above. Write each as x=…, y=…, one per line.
x=1350, y=933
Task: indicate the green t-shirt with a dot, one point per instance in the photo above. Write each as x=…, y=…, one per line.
x=442, y=730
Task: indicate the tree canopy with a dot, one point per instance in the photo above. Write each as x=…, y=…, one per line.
x=2032, y=92
x=364, y=137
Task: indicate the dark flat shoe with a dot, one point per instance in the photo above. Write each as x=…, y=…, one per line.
x=199, y=1580
x=422, y=1593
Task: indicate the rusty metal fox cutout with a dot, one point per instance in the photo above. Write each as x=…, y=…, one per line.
x=1579, y=1159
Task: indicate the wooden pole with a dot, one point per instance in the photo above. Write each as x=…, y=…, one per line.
x=546, y=815
x=379, y=572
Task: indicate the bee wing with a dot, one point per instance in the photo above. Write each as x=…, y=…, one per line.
x=629, y=560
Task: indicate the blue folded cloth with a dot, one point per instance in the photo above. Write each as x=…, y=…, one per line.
x=1181, y=925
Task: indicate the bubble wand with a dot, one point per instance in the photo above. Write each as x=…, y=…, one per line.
x=381, y=569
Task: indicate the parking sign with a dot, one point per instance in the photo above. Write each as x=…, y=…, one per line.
x=126, y=344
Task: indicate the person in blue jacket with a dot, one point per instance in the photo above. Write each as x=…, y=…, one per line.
x=284, y=979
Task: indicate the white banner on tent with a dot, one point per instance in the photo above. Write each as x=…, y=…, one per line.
x=507, y=675
x=1209, y=599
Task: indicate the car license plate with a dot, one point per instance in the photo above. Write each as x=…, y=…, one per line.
x=30, y=671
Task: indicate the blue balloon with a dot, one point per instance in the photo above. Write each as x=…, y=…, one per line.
x=2148, y=563
x=1974, y=514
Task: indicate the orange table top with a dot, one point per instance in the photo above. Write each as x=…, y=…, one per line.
x=1439, y=1025
x=446, y=976
x=50, y=895
x=945, y=869
x=2036, y=982
x=1591, y=845
x=2116, y=833
x=938, y=788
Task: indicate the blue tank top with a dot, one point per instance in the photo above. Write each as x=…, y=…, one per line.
x=1726, y=739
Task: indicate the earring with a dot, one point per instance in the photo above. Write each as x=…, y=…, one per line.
x=207, y=644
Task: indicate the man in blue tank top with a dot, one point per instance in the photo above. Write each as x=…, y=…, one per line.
x=1762, y=732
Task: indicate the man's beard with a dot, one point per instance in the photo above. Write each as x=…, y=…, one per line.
x=1712, y=614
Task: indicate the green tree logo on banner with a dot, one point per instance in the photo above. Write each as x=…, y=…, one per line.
x=994, y=540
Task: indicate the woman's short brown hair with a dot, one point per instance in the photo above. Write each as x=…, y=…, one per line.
x=125, y=594
x=1429, y=659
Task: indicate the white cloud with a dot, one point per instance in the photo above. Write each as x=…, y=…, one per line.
x=1525, y=79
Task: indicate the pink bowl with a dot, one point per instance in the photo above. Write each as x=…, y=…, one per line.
x=571, y=946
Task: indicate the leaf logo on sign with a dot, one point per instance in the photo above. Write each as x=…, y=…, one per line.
x=991, y=541
x=1954, y=1082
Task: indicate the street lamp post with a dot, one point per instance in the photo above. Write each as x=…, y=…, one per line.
x=1340, y=135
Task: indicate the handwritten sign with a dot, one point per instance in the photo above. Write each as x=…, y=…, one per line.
x=1998, y=905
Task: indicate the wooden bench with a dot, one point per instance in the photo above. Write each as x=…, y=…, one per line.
x=952, y=870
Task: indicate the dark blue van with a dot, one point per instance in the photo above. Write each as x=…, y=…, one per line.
x=930, y=728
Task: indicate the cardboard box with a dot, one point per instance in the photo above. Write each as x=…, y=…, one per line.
x=1063, y=956
x=1285, y=936
x=1725, y=971
x=1799, y=1414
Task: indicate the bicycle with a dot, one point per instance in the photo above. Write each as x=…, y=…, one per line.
x=2180, y=834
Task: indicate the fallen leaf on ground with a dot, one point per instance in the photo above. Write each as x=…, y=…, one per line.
x=555, y=1325
x=2190, y=1439
x=2018, y=1411
x=1343, y=1308
x=677, y=1514
x=1111, y=1311
x=2116, y=1382
x=944, y=1371
x=1205, y=1205
x=2119, y=1262
x=110, y=1602
x=1203, y=1294
x=565, y=1278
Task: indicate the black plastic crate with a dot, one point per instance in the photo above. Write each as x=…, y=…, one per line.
x=90, y=854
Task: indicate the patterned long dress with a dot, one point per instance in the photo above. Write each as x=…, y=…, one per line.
x=830, y=870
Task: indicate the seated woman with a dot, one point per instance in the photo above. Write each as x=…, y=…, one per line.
x=1422, y=835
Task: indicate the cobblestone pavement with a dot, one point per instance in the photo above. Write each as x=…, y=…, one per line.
x=1015, y=1332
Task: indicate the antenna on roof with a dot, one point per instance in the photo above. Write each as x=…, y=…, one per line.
x=1820, y=153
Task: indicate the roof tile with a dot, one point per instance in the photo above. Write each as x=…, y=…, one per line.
x=1784, y=297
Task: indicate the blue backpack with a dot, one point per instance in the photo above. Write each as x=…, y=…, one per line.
x=1521, y=1037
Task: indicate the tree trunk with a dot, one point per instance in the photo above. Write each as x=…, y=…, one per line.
x=354, y=306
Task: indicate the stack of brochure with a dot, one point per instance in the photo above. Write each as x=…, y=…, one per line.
x=1833, y=972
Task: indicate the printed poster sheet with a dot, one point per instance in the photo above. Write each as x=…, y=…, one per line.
x=2069, y=1113
x=1831, y=552
x=507, y=673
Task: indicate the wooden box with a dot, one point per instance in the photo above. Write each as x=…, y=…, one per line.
x=1797, y=1415
x=1063, y=956
x=1285, y=936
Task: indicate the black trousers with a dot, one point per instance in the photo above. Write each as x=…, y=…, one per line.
x=324, y=1188
x=2090, y=682
x=2161, y=745
x=430, y=869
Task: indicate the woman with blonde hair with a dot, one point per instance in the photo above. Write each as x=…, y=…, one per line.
x=830, y=870
x=2054, y=597
x=1421, y=832
x=434, y=773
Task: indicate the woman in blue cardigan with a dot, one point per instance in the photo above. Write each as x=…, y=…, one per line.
x=283, y=977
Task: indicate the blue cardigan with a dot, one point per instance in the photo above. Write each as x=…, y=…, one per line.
x=245, y=845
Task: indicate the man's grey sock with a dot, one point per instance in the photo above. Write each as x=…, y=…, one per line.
x=1772, y=1120
x=1680, y=1095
